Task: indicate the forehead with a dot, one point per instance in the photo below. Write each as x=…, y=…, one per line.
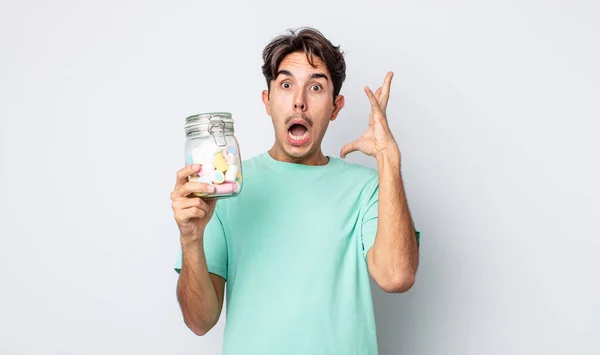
x=298, y=62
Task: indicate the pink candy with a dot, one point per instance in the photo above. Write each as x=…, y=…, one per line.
x=225, y=188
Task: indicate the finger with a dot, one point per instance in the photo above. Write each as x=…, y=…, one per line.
x=182, y=175
x=378, y=95
x=185, y=203
x=189, y=213
x=191, y=187
x=377, y=116
x=196, y=207
x=380, y=120
x=385, y=91
x=347, y=149
x=374, y=104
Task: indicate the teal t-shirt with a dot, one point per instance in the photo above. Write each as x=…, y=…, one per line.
x=292, y=247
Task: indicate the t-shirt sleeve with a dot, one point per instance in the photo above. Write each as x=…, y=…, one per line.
x=215, y=248
x=370, y=215
x=370, y=218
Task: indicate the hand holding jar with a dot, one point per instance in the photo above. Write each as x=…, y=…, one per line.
x=213, y=171
x=192, y=214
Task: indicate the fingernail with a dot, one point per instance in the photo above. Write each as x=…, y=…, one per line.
x=211, y=188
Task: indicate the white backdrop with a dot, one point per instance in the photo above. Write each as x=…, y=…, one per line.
x=495, y=106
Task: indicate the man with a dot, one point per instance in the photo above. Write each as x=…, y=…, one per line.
x=297, y=246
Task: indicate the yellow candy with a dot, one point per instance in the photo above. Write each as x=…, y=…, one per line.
x=238, y=178
x=220, y=162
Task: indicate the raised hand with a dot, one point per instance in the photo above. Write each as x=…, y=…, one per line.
x=378, y=138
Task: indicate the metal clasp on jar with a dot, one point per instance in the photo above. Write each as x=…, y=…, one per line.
x=217, y=125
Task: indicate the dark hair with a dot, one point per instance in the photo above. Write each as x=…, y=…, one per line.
x=311, y=42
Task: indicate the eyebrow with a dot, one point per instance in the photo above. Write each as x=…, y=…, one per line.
x=313, y=76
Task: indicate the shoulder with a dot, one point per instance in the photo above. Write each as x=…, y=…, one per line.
x=254, y=164
x=360, y=182
x=355, y=172
x=252, y=161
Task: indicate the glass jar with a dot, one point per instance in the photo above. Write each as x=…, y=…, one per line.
x=210, y=142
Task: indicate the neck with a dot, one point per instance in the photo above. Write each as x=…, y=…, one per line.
x=315, y=158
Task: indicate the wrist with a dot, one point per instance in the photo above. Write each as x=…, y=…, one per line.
x=191, y=241
x=389, y=157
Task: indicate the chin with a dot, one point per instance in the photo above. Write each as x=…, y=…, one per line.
x=297, y=151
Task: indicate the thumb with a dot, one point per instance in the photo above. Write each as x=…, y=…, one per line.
x=348, y=148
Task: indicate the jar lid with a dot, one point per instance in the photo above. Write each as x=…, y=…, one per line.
x=208, y=117
x=209, y=122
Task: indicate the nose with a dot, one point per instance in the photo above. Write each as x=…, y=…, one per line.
x=300, y=102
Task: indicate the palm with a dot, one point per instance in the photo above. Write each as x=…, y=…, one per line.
x=373, y=141
x=378, y=136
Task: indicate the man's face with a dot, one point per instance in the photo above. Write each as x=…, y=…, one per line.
x=301, y=105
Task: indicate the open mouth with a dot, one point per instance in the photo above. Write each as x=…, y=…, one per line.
x=298, y=133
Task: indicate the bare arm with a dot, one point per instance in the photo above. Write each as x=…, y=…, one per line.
x=394, y=257
x=200, y=293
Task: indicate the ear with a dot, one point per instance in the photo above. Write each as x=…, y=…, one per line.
x=338, y=104
x=265, y=100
